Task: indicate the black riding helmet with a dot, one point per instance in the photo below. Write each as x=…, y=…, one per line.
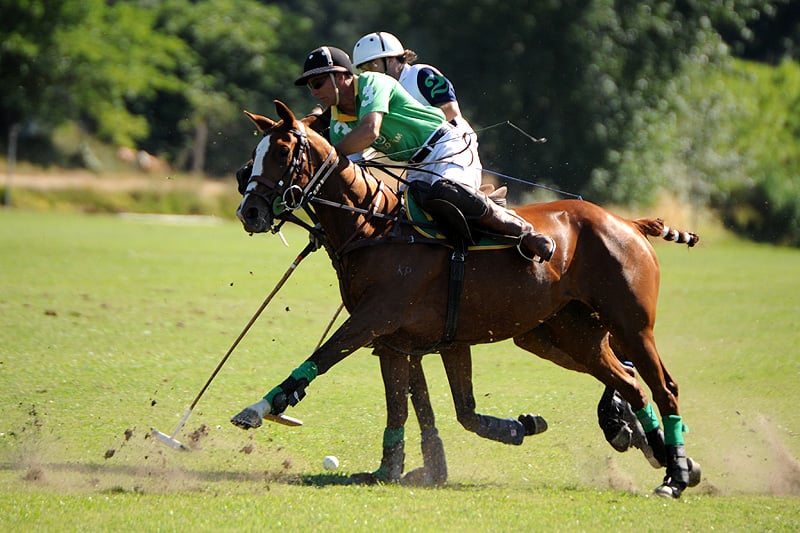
x=322, y=60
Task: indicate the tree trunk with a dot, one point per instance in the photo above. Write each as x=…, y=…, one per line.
x=199, y=149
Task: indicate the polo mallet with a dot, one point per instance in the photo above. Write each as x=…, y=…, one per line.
x=170, y=440
x=330, y=325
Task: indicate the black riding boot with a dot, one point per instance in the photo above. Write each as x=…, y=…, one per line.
x=505, y=222
x=487, y=214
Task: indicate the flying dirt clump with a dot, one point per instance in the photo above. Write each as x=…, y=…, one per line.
x=198, y=434
x=247, y=449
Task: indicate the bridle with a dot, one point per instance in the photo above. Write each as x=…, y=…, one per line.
x=287, y=196
x=293, y=196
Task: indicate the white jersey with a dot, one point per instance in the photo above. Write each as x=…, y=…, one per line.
x=430, y=87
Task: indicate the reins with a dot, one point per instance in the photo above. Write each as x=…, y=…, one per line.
x=292, y=200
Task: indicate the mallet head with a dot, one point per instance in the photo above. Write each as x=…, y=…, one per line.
x=169, y=441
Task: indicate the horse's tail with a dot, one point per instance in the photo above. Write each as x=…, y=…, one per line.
x=657, y=228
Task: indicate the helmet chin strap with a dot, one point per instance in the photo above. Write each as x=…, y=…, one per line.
x=335, y=88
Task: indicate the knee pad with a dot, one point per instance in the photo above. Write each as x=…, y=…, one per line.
x=470, y=203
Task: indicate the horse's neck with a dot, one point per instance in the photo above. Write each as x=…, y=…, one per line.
x=357, y=191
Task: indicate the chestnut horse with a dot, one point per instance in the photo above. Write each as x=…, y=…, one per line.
x=601, y=286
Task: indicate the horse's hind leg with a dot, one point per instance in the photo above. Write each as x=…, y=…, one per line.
x=457, y=361
x=681, y=471
x=575, y=339
x=435, y=469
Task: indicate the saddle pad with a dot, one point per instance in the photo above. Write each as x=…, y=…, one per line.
x=415, y=213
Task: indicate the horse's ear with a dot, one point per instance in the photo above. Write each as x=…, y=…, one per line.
x=262, y=123
x=284, y=112
x=318, y=120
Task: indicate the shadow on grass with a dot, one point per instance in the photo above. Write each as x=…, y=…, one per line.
x=326, y=480
x=43, y=473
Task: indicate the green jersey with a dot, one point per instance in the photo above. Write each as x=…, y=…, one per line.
x=406, y=125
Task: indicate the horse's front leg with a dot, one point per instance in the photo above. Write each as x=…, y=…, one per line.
x=457, y=361
x=348, y=338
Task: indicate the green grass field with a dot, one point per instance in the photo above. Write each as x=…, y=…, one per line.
x=111, y=325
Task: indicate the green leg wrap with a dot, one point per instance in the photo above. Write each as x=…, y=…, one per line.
x=392, y=436
x=392, y=462
x=308, y=371
x=673, y=430
x=271, y=394
x=647, y=417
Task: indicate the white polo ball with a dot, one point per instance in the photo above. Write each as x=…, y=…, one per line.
x=330, y=462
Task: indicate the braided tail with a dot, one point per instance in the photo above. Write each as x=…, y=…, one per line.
x=657, y=228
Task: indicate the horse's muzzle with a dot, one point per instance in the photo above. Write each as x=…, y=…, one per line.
x=255, y=217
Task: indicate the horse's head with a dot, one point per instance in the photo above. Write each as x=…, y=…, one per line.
x=280, y=178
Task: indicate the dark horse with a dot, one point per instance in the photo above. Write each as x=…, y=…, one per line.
x=599, y=290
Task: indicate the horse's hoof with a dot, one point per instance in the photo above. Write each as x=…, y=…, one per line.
x=695, y=472
x=623, y=440
x=620, y=427
x=533, y=424
x=247, y=419
x=669, y=490
x=424, y=477
x=416, y=477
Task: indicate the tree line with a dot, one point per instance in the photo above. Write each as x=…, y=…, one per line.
x=635, y=98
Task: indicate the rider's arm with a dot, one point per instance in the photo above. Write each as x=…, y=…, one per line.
x=450, y=109
x=362, y=136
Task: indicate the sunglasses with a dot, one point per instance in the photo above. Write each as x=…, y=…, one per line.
x=316, y=83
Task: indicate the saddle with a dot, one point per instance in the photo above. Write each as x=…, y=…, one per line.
x=451, y=223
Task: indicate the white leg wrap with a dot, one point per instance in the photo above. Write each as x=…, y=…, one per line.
x=261, y=407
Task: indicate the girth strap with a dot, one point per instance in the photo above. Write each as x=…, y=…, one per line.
x=454, y=290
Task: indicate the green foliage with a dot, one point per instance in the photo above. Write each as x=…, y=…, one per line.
x=582, y=74
x=95, y=60
x=728, y=138
x=237, y=63
x=27, y=61
x=112, y=58
x=767, y=131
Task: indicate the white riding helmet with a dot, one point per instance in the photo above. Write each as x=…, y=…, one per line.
x=375, y=46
